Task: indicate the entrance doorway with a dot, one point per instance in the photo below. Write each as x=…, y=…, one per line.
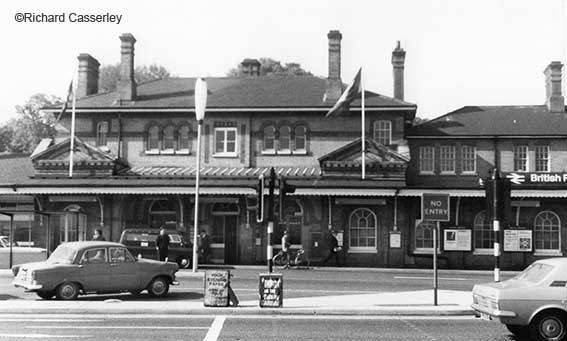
x=225, y=228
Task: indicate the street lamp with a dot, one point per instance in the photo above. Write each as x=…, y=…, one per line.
x=200, y=105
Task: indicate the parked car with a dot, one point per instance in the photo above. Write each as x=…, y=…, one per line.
x=20, y=254
x=534, y=303
x=142, y=242
x=94, y=267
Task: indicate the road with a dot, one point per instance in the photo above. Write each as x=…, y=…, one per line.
x=179, y=327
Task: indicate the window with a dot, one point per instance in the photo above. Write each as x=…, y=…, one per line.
x=183, y=139
x=168, y=139
x=120, y=255
x=362, y=225
x=447, y=159
x=468, y=159
x=153, y=138
x=426, y=159
x=73, y=224
x=225, y=141
x=94, y=256
x=547, y=230
x=424, y=236
x=101, y=132
x=269, y=139
x=383, y=132
x=284, y=139
x=542, y=158
x=300, y=138
x=483, y=233
x=521, y=158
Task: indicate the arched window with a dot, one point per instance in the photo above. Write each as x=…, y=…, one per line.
x=300, y=138
x=483, y=233
x=101, y=132
x=168, y=138
x=269, y=139
x=162, y=212
x=183, y=139
x=153, y=138
x=362, y=227
x=73, y=224
x=284, y=139
x=547, y=229
x=424, y=236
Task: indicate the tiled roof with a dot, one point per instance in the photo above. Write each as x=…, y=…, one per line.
x=15, y=168
x=240, y=92
x=231, y=172
x=495, y=121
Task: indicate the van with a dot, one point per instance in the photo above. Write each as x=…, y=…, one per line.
x=142, y=243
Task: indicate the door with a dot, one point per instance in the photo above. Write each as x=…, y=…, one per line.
x=230, y=245
x=124, y=269
x=95, y=270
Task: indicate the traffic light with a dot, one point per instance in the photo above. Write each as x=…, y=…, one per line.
x=260, y=199
x=285, y=189
x=503, y=196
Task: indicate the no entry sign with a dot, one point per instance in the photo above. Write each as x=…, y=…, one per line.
x=435, y=207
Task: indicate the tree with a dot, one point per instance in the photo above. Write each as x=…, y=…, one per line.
x=23, y=133
x=272, y=67
x=109, y=74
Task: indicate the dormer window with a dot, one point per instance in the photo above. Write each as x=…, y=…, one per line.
x=383, y=132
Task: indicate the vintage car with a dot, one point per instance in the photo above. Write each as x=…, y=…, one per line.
x=20, y=254
x=94, y=267
x=534, y=303
x=142, y=241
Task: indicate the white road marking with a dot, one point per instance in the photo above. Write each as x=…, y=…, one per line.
x=43, y=336
x=113, y=327
x=47, y=320
x=216, y=327
x=431, y=278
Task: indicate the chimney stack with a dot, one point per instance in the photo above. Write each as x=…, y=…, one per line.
x=398, y=60
x=87, y=84
x=334, y=83
x=553, y=96
x=251, y=67
x=126, y=81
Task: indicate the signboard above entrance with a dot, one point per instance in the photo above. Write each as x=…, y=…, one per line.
x=435, y=207
x=521, y=178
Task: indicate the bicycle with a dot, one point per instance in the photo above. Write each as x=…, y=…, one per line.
x=281, y=262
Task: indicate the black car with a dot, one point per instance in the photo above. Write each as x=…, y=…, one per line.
x=142, y=243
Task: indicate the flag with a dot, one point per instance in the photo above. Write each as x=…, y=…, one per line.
x=66, y=103
x=350, y=93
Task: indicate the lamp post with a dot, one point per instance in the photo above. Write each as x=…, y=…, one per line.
x=200, y=105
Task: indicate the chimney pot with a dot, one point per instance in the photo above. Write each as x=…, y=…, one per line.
x=87, y=83
x=126, y=81
x=398, y=61
x=334, y=82
x=554, y=98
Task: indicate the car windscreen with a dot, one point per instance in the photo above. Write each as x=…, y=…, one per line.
x=139, y=237
x=535, y=272
x=63, y=254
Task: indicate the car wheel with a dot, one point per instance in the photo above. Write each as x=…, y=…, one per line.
x=46, y=295
x=549, y=326
x=67, y=291
x=184, y=262
x=159, y=287
x=518, y=330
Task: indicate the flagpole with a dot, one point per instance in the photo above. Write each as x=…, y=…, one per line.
x=72, y=147
x=363, y=125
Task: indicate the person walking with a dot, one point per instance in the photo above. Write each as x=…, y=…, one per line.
x=205, y=247
x=162, y=245
x=333, y=249
x=98, y=235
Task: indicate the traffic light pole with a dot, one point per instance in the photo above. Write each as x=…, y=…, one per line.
x=270, y=253
x=496, y=223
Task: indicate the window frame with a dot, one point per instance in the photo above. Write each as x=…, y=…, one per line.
x=545, y=159
x=149, y=140
x=447, y=156
x=521, y=158
x=280, y=149
x=554, y=229
x=297, y=137
x=178, y=149
x=266, y=136
x=466, y=152
x=374, y=229
x=383, y=133
x=168, y=139
x=486, y=230
x=431, y=159
x=102, y=134
x=422, y=249
x=224, y=152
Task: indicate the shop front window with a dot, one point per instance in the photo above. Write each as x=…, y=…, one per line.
x=292, y=221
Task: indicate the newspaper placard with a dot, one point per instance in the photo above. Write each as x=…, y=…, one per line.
x=457, y=240
x=518, y=240
x=216, y=288
x=271, y=290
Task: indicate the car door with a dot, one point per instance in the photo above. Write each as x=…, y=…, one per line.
x=124, y=269
x=95, y=269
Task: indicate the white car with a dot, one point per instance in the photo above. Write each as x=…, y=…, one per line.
x=20, y=254
x=534, y=303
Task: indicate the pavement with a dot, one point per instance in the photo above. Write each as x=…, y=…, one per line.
x=408, y=303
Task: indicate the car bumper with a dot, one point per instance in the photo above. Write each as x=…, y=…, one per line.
x=503, y=315
x=27, y=286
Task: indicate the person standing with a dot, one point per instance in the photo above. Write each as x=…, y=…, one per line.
x=205, y=247
x=98, y=235
x=333, y=249
x=162, y=245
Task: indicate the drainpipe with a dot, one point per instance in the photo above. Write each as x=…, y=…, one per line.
x=395, y=228
x=330, y=226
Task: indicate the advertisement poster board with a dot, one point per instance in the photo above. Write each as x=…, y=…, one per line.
x=457, y=240
x=216, y=288
x=271, y=290
x=395, y=239
x=518, y=240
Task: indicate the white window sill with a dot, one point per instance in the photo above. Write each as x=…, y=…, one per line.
x=268, y=152
x=362, y=250
x=152, y=152
x=426, y=173
x=483, y=252
x=425, y=251
x=469, y=173
x=183, y=152
x=284, y=152
x=447, y=173
x=300, y=152
x=167, y=152
x=217, y=245
x=227, y=155
x=548, y=253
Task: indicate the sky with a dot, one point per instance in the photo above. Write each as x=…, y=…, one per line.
x=458, y=52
